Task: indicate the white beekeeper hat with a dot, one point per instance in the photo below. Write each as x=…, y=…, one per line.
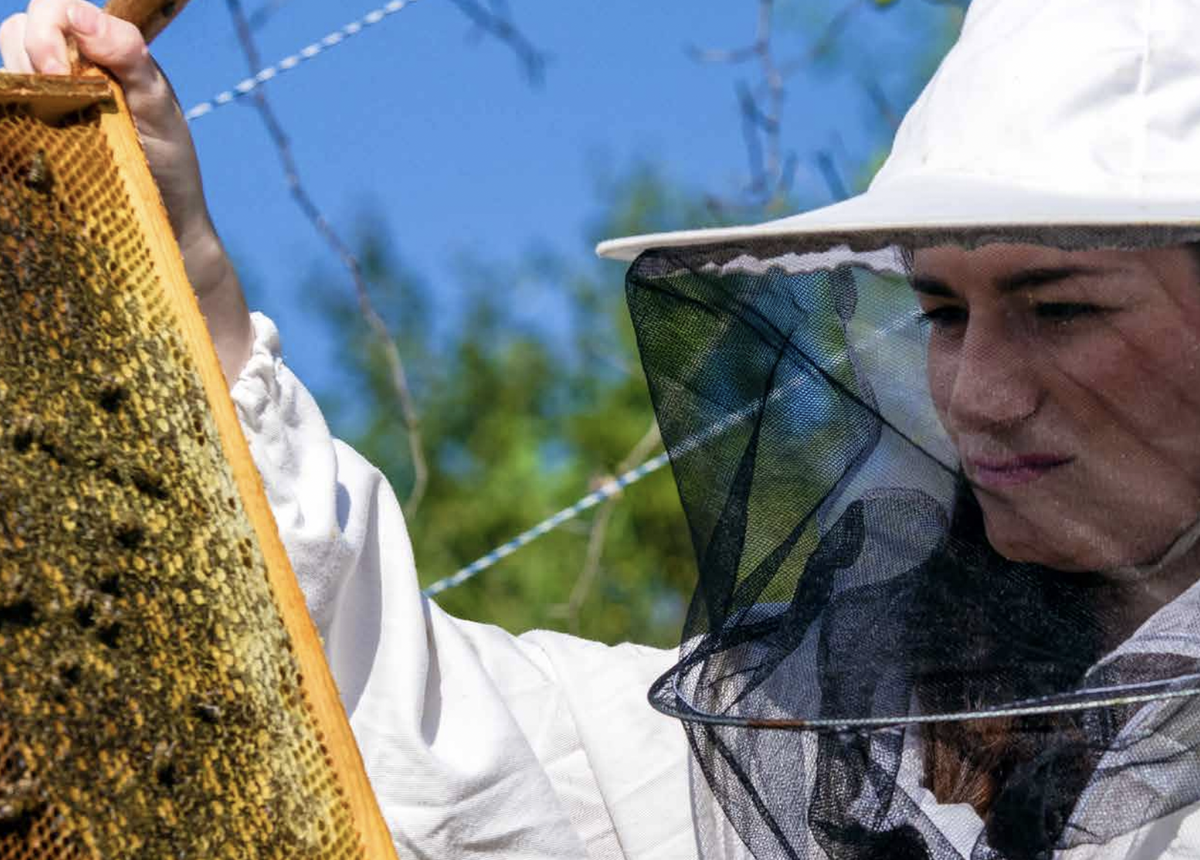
x=1072, y=113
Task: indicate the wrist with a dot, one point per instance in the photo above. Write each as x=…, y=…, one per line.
x=219, y=293
x=208, y=267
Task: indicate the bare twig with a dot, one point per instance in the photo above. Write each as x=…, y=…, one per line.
x=497, y=22
x=259, y=17
x=761, y=106
x=599, y=530
x=760, y=116
x=832, y=31
x=591, y=566
x=825, y=42
x=832, y=176
x=773, y=81
x=715, y=55
x=374, y=322
x=752, y=126
x=878, y=98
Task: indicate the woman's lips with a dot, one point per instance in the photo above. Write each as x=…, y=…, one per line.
x=1013, y=471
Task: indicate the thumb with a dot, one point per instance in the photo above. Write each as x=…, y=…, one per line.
x=110, y=42
x=118, y=46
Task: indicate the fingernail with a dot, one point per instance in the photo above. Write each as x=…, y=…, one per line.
x=84, y=19
x=55, y=67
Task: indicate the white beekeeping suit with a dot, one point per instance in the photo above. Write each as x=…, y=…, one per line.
x=477, y=743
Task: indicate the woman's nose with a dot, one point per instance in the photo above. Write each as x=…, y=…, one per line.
x=995, y=381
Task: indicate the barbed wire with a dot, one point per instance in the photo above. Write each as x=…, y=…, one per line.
x=598, y=532
x=534, y=62
x=607, y=491
x=495, y=22
x=268, y=73
x=680, y=450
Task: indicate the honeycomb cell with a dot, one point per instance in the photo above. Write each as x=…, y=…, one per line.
x=150, y=700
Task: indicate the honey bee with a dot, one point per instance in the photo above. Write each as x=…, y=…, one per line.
x=163, y=764
x=39, y=178
x=20, y=804
x=208, y=712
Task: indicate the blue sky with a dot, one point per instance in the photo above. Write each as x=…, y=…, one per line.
x=443, y=136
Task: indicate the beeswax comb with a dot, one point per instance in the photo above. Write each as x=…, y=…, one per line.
x=163, y=693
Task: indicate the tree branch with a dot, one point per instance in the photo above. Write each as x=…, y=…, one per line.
x=761, y=106
x=497, y=22
x=322, y=225
x=259, y=17
x=599, y=530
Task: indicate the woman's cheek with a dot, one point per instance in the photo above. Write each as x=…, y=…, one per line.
x=941, y=368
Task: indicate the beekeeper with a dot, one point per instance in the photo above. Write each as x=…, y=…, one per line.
x=939, y=450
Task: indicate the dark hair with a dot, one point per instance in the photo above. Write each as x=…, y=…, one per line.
x=1026, y=630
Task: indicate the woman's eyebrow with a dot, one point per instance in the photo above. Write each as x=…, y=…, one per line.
x=931, y=286
x=1029, y=279
x=1026, y=279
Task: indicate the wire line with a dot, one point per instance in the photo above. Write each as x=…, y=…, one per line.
x=337, y=37
x=549, y=524
x=685, y=446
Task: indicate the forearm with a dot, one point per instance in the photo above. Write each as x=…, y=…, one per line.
x=221, y=299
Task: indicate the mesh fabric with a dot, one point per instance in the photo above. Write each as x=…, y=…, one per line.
x=943, y=502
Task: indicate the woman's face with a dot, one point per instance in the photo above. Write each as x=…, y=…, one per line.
x=1069, y=382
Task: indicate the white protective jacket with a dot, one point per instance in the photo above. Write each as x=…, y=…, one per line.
x=481, y=744
x=477, y=743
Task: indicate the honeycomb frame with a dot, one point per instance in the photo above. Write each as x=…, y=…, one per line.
x=163, y=692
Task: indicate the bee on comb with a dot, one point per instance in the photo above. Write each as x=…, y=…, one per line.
x=38, y=176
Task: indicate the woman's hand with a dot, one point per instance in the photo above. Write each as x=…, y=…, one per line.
x=36, y=42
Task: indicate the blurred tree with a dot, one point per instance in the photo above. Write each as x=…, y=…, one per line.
x=536, y=394
x=520, y=420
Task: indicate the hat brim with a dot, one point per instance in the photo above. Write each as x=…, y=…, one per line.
x=919, y=211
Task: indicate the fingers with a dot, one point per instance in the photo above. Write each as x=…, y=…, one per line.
x=119, y=47
x=12, y=45
x=107, y=41
x=37, y=41
x=45, y=36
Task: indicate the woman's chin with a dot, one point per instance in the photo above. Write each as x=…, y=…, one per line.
x=1074, y=550
x=1091, y=525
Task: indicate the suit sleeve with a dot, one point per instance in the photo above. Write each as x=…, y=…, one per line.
x=478, y=743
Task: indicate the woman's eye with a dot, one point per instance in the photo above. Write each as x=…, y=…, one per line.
x=1065, y=311
x=944, y=316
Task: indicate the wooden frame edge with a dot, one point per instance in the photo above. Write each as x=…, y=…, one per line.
x=51, y=97
x=318, y=684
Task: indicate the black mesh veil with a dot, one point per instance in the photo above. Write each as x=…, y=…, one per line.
x=943, y=501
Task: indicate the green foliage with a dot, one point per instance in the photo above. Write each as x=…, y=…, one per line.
x=520, y=415
x=519, y=419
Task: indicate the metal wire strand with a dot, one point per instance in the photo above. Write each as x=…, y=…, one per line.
x=337, y=37
x=547, y=525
